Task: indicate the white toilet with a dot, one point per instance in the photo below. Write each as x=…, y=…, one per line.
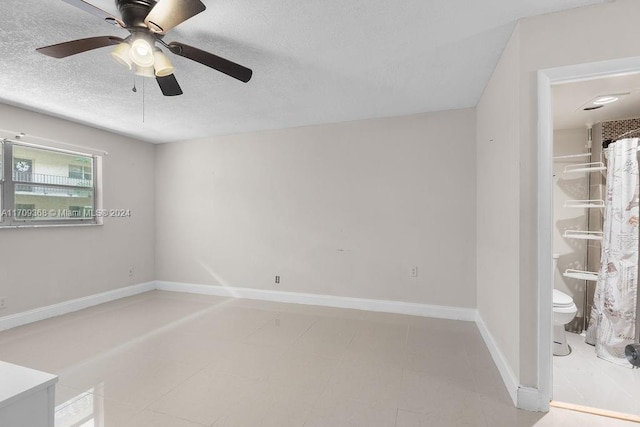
x=564, y=310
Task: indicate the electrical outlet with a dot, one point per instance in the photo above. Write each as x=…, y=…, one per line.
x=414, y=271
x=3, y=303
x=132, y=271
x=277, y=279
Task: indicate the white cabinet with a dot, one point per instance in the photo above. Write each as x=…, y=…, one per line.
x=27, y=397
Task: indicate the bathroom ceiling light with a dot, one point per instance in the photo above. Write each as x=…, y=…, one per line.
x=608, y=99
x=603, y=100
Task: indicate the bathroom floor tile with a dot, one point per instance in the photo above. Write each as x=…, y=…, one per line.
x=584, y=379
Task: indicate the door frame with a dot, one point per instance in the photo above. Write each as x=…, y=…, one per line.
x=546, y=79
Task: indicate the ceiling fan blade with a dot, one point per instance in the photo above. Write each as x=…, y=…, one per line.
x=62, y=50
x=232, y=69
x=87, y=7
x=169, y=85
x=166, y=14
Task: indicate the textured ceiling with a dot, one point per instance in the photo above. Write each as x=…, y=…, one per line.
x=313, y=62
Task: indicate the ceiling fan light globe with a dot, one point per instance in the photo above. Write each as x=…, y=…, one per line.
x=161, y=64
x=120, y=54
x=144, y=71
x=141, y=53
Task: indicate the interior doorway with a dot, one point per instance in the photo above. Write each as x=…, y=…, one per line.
x=580, y=378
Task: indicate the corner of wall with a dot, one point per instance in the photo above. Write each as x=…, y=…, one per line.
x=498, y=211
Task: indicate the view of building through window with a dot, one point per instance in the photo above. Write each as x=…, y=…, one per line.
x=47, y=185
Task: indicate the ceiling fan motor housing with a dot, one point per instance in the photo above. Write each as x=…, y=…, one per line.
x=134, y=12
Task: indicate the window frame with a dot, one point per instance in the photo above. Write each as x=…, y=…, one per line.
x=83, y=172
x=8, y=219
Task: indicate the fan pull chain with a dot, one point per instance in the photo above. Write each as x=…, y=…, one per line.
x=134, y=89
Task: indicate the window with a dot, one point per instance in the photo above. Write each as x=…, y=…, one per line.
x=22, y=169
x=1, y=180
x=81, y=211
x=25, y=210
x=80, y=172
x=46, y=186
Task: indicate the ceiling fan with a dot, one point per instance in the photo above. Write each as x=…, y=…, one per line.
x=148, y=21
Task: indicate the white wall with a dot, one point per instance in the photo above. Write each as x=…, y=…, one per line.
x=338, y=209
x=566, y=38
x=569, y=186
x=43, y=266
x=498, y=196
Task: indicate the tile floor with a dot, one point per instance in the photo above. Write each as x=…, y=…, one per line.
x=176, y=360
x=584, y=379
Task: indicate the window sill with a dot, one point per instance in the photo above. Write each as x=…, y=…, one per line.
x=49, y=225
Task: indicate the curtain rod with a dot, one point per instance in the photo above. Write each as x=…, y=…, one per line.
x=628, y=133
x=23, y=137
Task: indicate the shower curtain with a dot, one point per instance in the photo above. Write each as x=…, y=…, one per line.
x=612, y=324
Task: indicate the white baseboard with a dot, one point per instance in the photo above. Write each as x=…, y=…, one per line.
x=30, y=316
x=527, y=398
x=399, y=307
x=425, y=310
x=508, y=377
